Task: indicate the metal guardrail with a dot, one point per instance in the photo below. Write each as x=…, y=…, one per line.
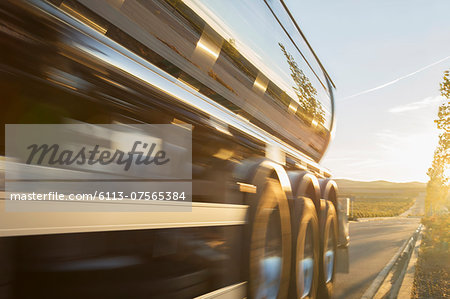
x=403, y=254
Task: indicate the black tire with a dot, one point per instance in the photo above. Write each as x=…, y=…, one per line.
x=328, y=249
x=269, y=237
x=306, y=249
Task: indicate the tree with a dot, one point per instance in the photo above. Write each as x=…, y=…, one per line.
x=438, y=185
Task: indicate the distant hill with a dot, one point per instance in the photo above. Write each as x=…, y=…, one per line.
x=347, y=185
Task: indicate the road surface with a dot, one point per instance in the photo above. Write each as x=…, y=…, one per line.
x=418, y=208
x=372, y=245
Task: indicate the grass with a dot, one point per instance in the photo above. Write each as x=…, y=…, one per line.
x=380, y=198
x=369, y=203
x=432, y=277
x=380, y=207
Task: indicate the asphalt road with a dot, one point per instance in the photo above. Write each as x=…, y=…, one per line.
x=372, y=245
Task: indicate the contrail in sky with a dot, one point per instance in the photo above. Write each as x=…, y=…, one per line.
x=396, y=80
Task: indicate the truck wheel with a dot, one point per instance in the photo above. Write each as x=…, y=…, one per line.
x=270, y=243
x=305, y=226
x=329, y=235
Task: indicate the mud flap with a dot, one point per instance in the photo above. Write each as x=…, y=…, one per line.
x=342, y=263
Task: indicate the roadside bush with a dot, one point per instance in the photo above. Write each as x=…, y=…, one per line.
x=432, y=277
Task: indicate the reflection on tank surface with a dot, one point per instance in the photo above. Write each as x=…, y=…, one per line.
x=305, y=91
x=234, y=65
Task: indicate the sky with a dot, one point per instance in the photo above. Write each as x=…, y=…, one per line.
x=387, y=59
